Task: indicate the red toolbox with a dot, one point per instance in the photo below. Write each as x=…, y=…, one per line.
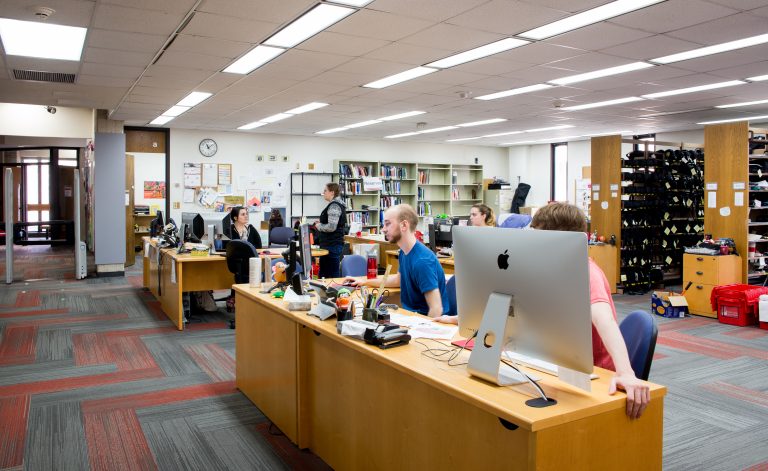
x=737, y=304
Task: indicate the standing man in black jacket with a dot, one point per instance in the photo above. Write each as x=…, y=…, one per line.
x=331, y=228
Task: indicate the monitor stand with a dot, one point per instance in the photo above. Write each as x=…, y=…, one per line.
x=485, y=359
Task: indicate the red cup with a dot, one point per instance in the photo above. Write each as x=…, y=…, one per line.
x=724, y=250
x=372, y=270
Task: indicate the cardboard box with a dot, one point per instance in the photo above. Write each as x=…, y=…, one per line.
x=668, y=304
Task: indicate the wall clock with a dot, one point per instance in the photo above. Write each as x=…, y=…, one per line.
x=208, y=147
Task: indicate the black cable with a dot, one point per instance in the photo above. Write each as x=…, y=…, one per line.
x=530, y=380
x=453, y=350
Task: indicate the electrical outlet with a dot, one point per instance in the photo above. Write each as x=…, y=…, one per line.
x=176, y=205
x=285, y=158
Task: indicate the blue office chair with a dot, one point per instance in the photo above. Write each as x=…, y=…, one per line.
x=354, y=265
x=639, y=331
x=280, y=236
x=450, y=290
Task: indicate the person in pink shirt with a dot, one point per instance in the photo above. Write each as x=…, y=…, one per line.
x=608, y=347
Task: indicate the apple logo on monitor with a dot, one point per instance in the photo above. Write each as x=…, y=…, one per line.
x=503, y=260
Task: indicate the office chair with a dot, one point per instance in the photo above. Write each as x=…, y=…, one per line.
x=280, y=236
x=239, y=253
x=450, y=290
x=639, y=331
x=354, y=265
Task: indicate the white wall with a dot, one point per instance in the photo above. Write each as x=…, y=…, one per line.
x=34, y=120
x=147, y=167
x=241, y=149
x=531, y=164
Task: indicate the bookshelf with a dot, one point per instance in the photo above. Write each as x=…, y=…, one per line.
x=362, y=204
x=306, y=190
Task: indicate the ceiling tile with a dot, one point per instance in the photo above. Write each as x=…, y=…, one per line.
x=540, y=53
x=110, y=70
x=670, y=16
x=507, y=17
x=433, y=10
x=169, y=6
x=134, y=20
x=121, y=82
x=744, y=5
x=209, y=46
x=408, y=54
x=649, y=48
x=451, y=38
x=342, y=44
x=726, y=59
x=572, y=6
x=122, y=41
x=109, y=56
x=379, y=25
x=193, y=61
x=598, y=36
x=726, y=29
x=271, y=11
x=68, y=12
x=226, y=27
x=317, y=61
x=588, y=62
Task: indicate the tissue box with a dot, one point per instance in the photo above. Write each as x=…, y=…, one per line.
x=668, y=304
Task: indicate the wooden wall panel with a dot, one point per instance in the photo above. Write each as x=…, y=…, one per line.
x=144, y=141
x=725, y=162
x=606, y=171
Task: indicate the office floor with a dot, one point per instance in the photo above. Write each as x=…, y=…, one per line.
x=93, y=376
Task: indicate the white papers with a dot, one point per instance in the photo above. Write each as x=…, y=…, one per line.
x=738, y=198
x=372, y=184
x=192, y=175
x=189, y=195
x=711, y=199
x=739, y=186
x=210, y=175
x=420, y=327
x=173, y=272
x=711, y=186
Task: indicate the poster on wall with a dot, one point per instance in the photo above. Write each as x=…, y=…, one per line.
x=154, y=189
x=225, y=174
x=253, y=198
x=192, y=175
x=210, y=175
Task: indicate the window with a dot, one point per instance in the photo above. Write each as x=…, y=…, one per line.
x=645, y=137
x=559, y=172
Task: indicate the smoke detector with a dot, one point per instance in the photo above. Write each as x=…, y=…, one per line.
x=421, y=125
x=464, y=94
x=42, y=13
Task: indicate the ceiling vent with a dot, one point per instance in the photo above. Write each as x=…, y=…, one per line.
x=37, y=76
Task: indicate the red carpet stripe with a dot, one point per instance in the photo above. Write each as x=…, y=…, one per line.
x=166, y=330
x=686, y=324
x=212, y=359
x=18, y=345
x=41, y=312
x=116, y=441
x=75, y=319
x=28, y=299
x=156, y=398
x=65, y=384
x=747, y=333
x=709, y=347
x=758, y=467
x=737, y=392
x=130, y=353
x=659, y=356
x=14, y=412
x=91, y=349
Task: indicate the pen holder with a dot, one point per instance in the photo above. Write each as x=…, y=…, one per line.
x=370, y=315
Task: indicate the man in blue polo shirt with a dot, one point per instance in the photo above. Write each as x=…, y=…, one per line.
x=421, y=278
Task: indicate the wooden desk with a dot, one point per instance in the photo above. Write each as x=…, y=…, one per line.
x=190, y=273
x=606, y=257
x=445, y=262
x=374, y=239
x=359, y=407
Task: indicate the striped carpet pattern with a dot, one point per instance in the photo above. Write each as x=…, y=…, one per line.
x=94, y=376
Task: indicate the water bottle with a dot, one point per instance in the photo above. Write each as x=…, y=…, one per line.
x=372, y=270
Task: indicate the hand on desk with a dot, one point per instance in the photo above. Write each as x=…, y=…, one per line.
x=447, y=319
x=352, y=281
x=638, y=393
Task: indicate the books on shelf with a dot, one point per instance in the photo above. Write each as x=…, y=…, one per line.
x=363, y=218
x=393, y=171
x=455, y=194
x=424, y=209
x=355, y=171
x=423, y=176
x=392, y=188
x=353, y=188
x=421, y=194
x=388, y=201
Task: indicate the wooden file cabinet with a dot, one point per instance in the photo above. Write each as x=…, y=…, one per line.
x=706, y=272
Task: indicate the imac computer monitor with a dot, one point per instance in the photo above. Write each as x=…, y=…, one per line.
x=538, y=282
x=195, y=222
x=306, y=251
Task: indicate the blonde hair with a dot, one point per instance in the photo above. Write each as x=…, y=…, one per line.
x=490, y=218
x=560, y=217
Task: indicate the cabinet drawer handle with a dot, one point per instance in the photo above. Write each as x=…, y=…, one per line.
x=699, y=272
x=700, y=259
x=699, y=287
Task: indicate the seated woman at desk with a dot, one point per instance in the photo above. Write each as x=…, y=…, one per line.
x=241, y=229
x=481, y=215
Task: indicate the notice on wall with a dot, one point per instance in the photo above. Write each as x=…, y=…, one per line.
x=372, y=184
x=154, y=189
x=595, y=195
x=67, y=191
x=192, y=175
x=188, y=196
x=225, y=174
x=738, y=198
x=739, y=186
x=711, y=199
x=210, y=175
x=711, y=186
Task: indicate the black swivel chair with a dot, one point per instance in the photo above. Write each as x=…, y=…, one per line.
x=239, y=253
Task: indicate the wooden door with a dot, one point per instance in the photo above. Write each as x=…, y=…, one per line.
x=130, y=252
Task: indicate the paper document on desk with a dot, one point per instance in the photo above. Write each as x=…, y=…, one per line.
x=407, y=321
x=433, y=330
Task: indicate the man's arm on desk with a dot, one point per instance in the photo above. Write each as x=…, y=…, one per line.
x=393, y=281
x=435, y=303
x=638, y=392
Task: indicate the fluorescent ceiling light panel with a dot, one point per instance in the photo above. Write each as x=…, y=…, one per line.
x=517, y=143
x=550, y=128
x=699, y=88
x=161, y=120
x=515, y=91
x=407, y=114
x=257, y=57
x=588, y=17
x=331, y=131
x=307, y=108
x=253, y=125
x=504, y=133
x=363, y=123
x=401, y=77
x=276, y=117
x=746, y=103
x=733, y=120
x=709, y=50
x=176, y=110
x=193, y=99
x=353, y=3
x=758, y=78
x=444, y=128
x=602, y=73
x=478, y=52
x=598, y=104
x=405, y=134
x=309, y=24
x=43, y=40
x=561, y=138
x=464, y=139
x=480, y=123
x=613, y=133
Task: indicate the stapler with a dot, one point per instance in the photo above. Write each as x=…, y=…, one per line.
x=387, y=338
